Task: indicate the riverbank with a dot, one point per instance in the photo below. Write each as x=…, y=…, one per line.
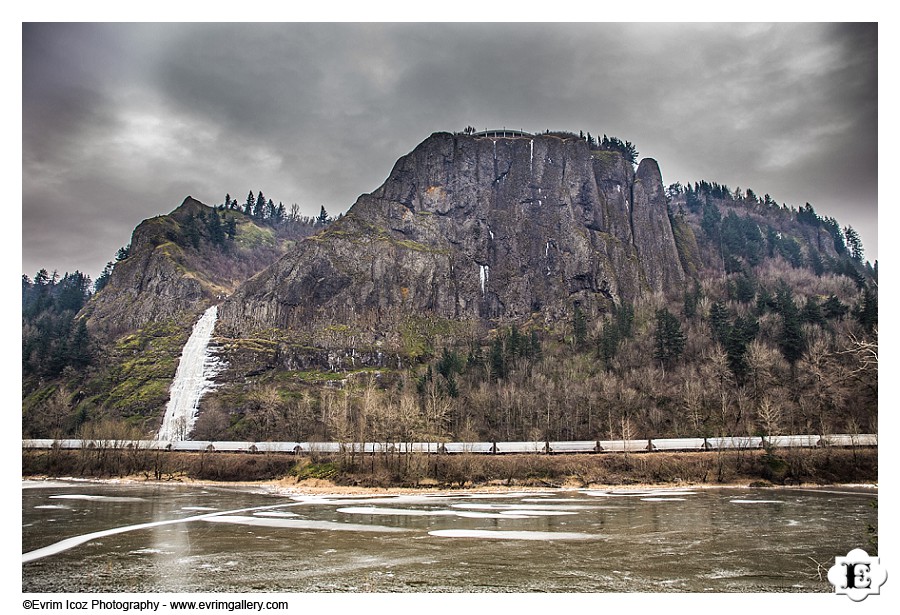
x=715, y=468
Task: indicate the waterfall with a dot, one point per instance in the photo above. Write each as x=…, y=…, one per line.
x=196, y=369
x=531, y=154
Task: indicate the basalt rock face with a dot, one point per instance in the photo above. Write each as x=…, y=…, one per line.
x=167, y=276
x=470, y=229
x=652, y=229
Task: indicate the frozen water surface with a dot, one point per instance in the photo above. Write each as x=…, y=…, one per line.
x=105, y=498
x=756, y=501
x=531, y=507
x=183, y=538
x=413, y=512
x=301, y=524
x=512, y=535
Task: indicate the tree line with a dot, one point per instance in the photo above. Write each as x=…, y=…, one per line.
x=52, y=339
x=261, y=209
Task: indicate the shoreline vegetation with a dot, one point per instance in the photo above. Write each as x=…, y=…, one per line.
x=755, y=468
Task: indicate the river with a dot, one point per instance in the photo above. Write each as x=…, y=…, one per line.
x=80, y=536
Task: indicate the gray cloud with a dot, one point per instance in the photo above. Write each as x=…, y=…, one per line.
x=122, y=121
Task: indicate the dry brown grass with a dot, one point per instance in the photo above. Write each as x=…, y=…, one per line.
x=781, y=467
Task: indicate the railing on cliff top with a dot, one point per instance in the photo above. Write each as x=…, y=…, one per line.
x=487, y=448
x=502, y=133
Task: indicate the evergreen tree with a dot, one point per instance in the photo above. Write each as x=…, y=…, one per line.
x=624, y=319
x=498, y=359
x=579, y=326
x=718, y=322
x=322, y=219
x=103, y=279
x=791, y=251
x=259, y=210
x=123, y=253
x=738, y=337
x=742, y=288
x=230, y=227
x=192, y=231
x=807, y=215
x=669, y=340
x=812, y=312
x=834, y=229
x=866, y=312
x=791, y=341
x=51, y=340
x=691, y=299
x=833, y=308
x=854, y=243
x=250, y=205
x=79, y=350
x=214, y=228
x=608, y=343
x=815, y=261
x=712, y=217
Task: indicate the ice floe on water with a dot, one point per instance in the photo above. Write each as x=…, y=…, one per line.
x=48, y=484
x=565, y=500
x=53, y=507
x=507, y=494
x=415, y=512
x=513, y=535
x=508, y=514
x=739, y=501
x=275, y=513
x=74, y=541
x=198, y=508
x=100, y=498
x=529, y=512
x=332, y=500
x=638, y=494
x=521, y=507
x=302, y=524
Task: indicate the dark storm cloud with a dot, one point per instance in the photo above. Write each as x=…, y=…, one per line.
x=121, y=122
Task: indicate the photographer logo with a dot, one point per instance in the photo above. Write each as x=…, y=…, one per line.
x=857, y=575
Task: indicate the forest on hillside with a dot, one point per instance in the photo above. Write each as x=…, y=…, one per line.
x=775, y=332
x=72, y=377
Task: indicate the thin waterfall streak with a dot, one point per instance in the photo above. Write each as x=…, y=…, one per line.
x=193, y=378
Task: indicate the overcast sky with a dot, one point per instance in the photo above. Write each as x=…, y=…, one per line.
x=121, y=122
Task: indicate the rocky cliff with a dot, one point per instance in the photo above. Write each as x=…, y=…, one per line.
x=170, y=274
x=473, y=229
